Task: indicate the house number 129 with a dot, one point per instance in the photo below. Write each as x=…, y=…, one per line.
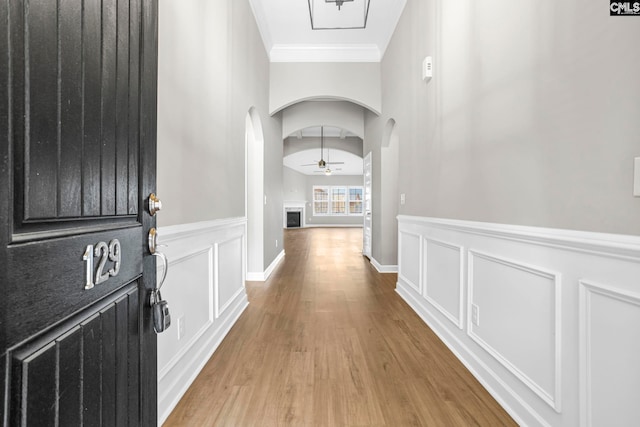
x=112, y=252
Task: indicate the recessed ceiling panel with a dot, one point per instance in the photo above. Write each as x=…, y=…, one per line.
x=288, y=36
x=336, y=14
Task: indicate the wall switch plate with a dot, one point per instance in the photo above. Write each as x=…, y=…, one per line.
x=475, y=314
x=636, y=177
x=427, y=68
x=276, y=243
x=402, y=199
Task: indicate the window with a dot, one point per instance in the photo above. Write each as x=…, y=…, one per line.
x=320, y=200
x=337, y=200
x=355, y=200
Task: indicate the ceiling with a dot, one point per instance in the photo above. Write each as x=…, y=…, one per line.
x=305, y=161
x=352, y=163
x=328, y=132
x=285, y=26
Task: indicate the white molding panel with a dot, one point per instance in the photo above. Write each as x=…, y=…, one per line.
x=538, y=328
x=324, y=53
x=609, y=372
x=206, y=295
x=227, y=283
x=530, y=300
x=410, y=249
x=444, y=278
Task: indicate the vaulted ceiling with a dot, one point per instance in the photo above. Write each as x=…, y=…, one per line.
x=285, y=26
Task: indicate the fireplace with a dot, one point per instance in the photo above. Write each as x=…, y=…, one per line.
x=293, y=214
x=293, y=219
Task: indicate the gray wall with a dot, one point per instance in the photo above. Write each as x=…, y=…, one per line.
x=531, y=117
x=293, y=82
x=294, y=184
x=212, y=70
x=298, y=187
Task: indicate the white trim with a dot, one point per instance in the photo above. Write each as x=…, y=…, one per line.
x=459, y=320
x=194, y=340
x=261, y=23
x=206, y=351
x=611, y=245
x=383, y=268
x=187, y=242
x=220, y=309
x=262, y=277
x=169, y=233
x=587, y=288
x=332, y=226
x=489, y=380
x=564, y=260
x=416, y=287
x=552, y=400
x=324, y=53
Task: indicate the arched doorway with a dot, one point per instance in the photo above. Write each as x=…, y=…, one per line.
x=254, y=193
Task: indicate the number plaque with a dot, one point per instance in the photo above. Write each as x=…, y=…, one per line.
x=106, y=252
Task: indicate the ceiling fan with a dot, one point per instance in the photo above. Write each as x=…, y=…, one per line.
x=321, y=163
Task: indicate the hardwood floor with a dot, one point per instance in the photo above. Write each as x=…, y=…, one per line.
x=326, y=341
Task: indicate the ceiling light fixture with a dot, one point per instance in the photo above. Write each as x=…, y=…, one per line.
x=338, y=3
x=326, y=16
x=321, y=162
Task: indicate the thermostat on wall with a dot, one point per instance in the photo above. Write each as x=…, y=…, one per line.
x=427, y=68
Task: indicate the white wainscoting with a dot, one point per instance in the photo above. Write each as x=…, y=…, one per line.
x=554, y=334
x=206, y=294
x=383, y=268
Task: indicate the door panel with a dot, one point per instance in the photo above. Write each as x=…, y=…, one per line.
x=61, y=373
x=367, y=226
x=77, y=159
x=51, y=274
x=80, y=76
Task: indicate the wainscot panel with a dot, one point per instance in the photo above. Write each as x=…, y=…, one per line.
x=206, y=295
x=545, y=319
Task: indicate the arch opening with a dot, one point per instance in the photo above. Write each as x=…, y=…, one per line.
x=254, y=190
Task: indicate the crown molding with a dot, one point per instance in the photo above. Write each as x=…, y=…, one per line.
x=325, y=53
x=261, y=22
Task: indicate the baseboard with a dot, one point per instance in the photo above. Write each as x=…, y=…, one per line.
x=333, y=226
x=205, y=289
x=470, y=361
x=537, y=315
x=383, y=268
x=262, y=277
x=179, y=388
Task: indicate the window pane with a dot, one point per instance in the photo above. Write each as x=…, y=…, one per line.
x=321, y=207
x=355, y=207
x=355, y=193
x=320, y=194
x=339, y=193
x=338, y=207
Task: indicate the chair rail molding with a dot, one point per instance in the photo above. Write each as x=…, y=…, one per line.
x=206, y=293
x=545, y=319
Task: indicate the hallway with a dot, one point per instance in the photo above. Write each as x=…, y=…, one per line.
x=327, y=341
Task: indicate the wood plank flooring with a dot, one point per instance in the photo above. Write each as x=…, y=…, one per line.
x=326, y=341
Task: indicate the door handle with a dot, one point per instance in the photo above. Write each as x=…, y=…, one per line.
x=160, y=307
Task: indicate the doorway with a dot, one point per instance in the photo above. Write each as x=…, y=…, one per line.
x=367, y=230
